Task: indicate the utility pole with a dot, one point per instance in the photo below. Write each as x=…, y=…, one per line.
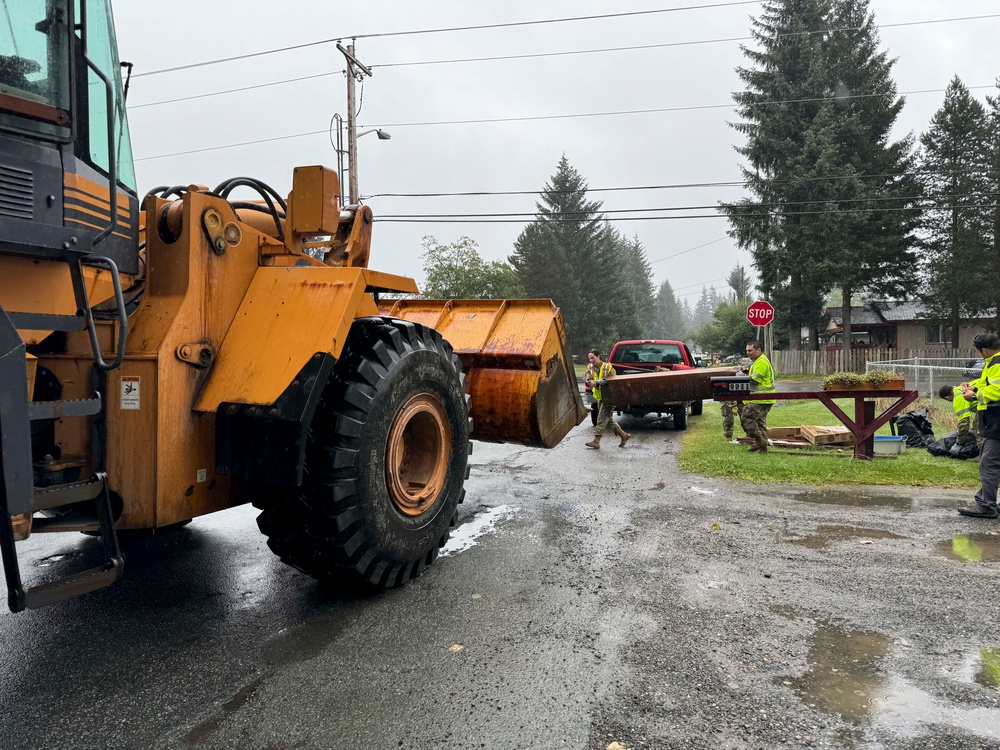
x=356, y=71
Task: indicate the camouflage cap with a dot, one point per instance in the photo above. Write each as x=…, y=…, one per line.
x=746, y=362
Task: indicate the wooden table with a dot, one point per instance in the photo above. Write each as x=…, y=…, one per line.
x=865, y=422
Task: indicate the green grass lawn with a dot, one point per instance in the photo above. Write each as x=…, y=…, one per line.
x=705, y=451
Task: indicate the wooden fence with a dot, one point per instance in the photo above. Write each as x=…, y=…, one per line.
x=826, y=362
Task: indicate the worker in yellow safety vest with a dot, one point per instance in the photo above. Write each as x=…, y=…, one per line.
x=602, y=372
x=965, y=413
x=753, y=417
x=986, y=393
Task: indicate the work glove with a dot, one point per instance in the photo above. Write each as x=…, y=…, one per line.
x=955, y=449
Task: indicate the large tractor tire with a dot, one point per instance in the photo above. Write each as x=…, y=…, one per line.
x=386, y=461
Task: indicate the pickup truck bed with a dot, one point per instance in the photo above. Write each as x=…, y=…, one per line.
x=657, y=357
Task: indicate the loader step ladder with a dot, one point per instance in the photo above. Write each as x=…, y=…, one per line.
x=18, y=495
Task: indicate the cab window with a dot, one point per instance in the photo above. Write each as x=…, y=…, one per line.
x=34, y=65
x=102, y=49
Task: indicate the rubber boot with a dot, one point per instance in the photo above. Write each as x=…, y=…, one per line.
x=595, y=443
x=625, y=437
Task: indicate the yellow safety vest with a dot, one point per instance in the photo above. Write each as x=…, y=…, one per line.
x=962, y=407
x=987, y=387
x=603, y=371
x=762, y=375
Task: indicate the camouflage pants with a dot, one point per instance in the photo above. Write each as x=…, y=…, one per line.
x=605, y=420
x=730, y=409
x=753, y=418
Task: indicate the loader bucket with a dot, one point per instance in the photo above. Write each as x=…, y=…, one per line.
x=514, y=355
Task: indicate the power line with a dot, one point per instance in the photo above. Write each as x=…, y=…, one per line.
x=659, y=110
x=615, y=219
x=558, y=20
x=712, y=207
x=700, y=283
x=674, y=186
x=689, y=250
x=439, y=31
x=526, y=56
x=534, y=118
x=233, y=91
x=689, y=43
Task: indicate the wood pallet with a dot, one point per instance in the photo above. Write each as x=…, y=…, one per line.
x=821, y=435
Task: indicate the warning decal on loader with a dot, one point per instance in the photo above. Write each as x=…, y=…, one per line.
x=130, y=392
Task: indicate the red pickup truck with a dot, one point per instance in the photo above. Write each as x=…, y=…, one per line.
x=649, y=355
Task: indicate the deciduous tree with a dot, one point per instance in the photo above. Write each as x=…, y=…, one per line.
x=457, y=271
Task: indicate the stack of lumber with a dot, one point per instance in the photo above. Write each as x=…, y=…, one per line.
x=808, y=436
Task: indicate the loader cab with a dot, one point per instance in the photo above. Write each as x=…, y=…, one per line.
x=65, y=151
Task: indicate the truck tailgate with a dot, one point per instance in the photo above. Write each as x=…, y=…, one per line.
x=680, y=386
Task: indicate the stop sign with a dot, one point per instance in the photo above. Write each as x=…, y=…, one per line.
x=760, y=313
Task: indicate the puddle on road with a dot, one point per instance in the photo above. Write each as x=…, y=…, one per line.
x=464, y=537
x=51, y=560
x=827, y=534
x=853, y=499
x=847, y=678
x=844, y=676
x=971, y=548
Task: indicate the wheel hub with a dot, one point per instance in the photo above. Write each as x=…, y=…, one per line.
x=417, y=454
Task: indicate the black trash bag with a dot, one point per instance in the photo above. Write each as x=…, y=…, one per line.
x=946, y=447
x=916, y=428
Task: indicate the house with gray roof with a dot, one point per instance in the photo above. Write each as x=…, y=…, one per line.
x=898, y=324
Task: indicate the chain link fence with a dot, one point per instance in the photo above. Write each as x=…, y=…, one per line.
x=926, y=375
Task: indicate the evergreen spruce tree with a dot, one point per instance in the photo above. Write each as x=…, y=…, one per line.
x=786, y=90
x=597, y=271
x=739, y=281
x=835, y=202
x=955, y=224
x=640, y=286
x=872, y=248
x=669, y=320
x=546, y=273
x=993, y=200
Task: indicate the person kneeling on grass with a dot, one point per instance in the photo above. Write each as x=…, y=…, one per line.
x=966, y=415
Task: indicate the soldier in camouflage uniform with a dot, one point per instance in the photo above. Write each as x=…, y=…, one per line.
x=732, y=409
x=753, y=418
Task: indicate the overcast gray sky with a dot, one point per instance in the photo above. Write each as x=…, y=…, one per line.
x=590, y=101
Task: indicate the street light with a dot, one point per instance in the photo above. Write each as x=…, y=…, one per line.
x=338, y=146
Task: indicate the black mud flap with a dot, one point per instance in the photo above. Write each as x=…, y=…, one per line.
x=267, y=442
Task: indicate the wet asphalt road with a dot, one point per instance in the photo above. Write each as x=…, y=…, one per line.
x=588, y=598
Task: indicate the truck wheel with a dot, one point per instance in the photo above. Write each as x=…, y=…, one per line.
x=696, y=408
x=680, y=417
x=386, y=461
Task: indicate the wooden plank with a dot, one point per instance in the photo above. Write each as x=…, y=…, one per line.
x=827, y=435
x=784, y=432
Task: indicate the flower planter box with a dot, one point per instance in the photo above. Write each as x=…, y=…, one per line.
x=896, y=384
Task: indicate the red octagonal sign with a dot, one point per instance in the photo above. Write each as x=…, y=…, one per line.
x=760, y=313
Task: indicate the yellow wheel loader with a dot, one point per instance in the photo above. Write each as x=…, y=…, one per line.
x=172, y=356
